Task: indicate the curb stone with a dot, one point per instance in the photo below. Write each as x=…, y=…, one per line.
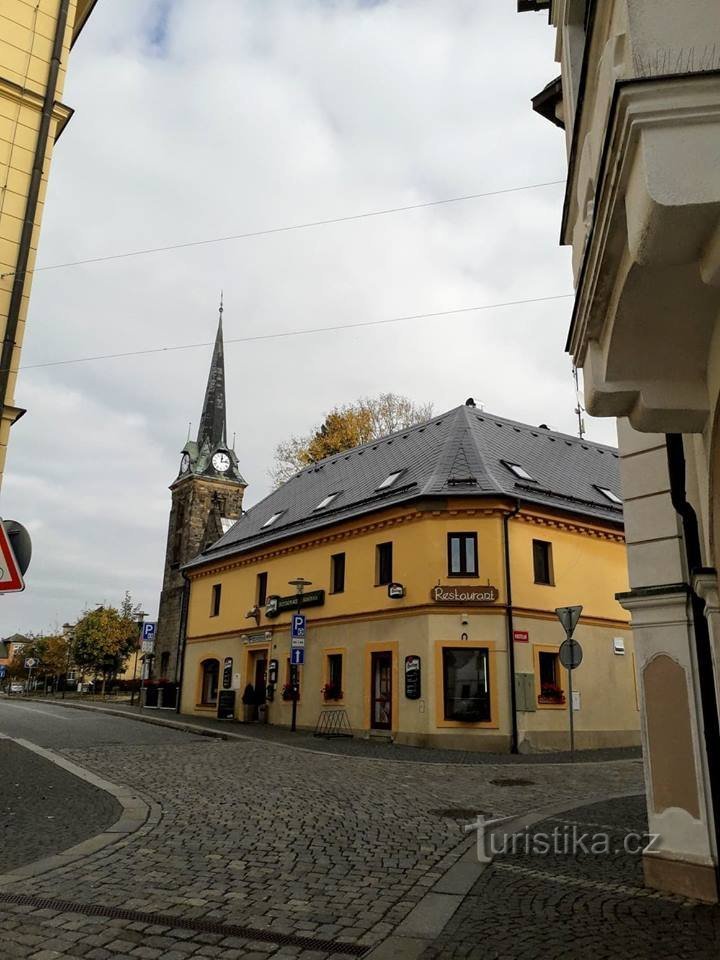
x=136, y=813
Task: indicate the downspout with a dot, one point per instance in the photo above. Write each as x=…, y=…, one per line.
x=182, y=635
x=31, y=203
x=703, y=648
x=510, y=628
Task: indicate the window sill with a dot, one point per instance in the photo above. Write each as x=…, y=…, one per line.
x=463, y=576
x=206, y=706
x=551, y=705
x=544, y=583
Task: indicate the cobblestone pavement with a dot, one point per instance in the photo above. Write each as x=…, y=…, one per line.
x=254, y=835
x=43, y=809
x=592, y=906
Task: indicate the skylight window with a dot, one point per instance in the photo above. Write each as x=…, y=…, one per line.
x=390, y=479
x=612, y=497
x=271, y=520
x=326, y=501
x=519, y=471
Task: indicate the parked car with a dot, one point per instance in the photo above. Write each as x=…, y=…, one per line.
x=16, y=688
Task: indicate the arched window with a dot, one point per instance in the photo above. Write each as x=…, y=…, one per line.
x=210, y=671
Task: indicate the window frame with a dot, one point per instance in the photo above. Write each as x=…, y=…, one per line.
x=379, y=563
x=215, y=599
x=272, y=519
x=609, y=495
x=550, y=582
x=261, y=588
x=515, y=467
x=327, y=500
x=391, y=479
x=539, y=649
x=473, y=537
x=336, y=562
x=442, y=718
x=203, y=673
x=329, y=653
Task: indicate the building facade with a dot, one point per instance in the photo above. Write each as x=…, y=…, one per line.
x=436, y=558
x=639, y=100
x=207, y=497
x=35, y=43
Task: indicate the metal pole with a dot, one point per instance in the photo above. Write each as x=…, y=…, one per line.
x=294, y=677
x=570, y=698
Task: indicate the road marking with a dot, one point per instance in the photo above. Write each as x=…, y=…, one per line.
x=55, y=716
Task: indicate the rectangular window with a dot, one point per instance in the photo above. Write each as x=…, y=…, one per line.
x=337, y=573
x=383, y=564
x=518, y=470
x=612, y=497
x=261, y=589
x=333, y=688
x=542, y=561
x=326, y=501
x=271, y=520
x=462, y=555
x=549, y=670
x=466, y=684
x=215, y=602
x=390, y=479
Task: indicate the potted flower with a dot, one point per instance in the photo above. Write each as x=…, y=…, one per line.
x=331, y=691
x=551, y=693
x=249, y=703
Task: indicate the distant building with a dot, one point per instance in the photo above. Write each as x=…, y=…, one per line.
x=437, y=557
x=207, y=498
x=35, y=43
x=639, y=102
x=10, y=646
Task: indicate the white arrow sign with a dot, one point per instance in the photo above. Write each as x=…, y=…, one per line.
x=568, y=617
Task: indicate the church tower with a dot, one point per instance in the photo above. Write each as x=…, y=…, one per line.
x=207, y=497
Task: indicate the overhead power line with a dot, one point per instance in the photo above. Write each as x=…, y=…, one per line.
x=298, y=333
x=287, y=229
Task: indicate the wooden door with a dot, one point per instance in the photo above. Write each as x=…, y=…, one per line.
x=381, y=691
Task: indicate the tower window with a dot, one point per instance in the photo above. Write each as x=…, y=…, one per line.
x=262, y=581
x=337, y=573
x=383, y=564
x=215, y=601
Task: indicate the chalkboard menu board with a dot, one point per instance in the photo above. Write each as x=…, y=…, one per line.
x=412, y=678
x=226, y=705
x=227, y=673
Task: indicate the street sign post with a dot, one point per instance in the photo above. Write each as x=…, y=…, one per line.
x=298, y=626
x=297, y=657
x=147, y=646
x=11, y=578
x=570, y=657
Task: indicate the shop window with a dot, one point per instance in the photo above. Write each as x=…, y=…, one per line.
x=462, y=555
x=333, y=689
x=215, y=600
x=549, y=670
x=383, y=564
x=210, y=673
x=466, y=684
x=262, y=581
x=542, y=562
x=337, y=573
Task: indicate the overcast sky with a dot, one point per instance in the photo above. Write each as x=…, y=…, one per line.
x=196, y=121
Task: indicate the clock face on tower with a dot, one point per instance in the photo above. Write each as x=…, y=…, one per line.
x=221, y=462
x=185, y=463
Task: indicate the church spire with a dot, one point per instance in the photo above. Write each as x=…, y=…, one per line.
x=213, y=425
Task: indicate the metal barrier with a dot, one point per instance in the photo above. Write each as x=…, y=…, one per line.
x=333, y=723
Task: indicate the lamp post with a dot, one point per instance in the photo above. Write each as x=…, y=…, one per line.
x=141, y=616
x=299, y=583
x=68, y=634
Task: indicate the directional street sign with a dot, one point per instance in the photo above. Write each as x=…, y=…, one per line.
x=570, y=654
x=568, y=617
x=297, y=656
x=149, y=630
x=11, y=578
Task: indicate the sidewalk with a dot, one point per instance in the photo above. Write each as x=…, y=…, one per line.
x=355, y=747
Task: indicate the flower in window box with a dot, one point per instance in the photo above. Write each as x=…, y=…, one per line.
x=332, y=691
x=287, y=692
x=551, y=693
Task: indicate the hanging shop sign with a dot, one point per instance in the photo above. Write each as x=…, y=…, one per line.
x=412, y=678
x=396, y=591
x=277, y=605
x=227, y=673
x=465, y=595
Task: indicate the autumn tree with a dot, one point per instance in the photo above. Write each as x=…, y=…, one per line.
x=103, y=639
x=347, y=426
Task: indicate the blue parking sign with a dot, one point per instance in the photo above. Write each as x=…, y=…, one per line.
x=148, y=630
x=298, y=626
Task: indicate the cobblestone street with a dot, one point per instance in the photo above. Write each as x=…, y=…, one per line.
x=319, y=855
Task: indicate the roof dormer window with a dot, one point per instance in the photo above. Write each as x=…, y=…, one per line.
x=271, y=520
x=519, y=471
x=612, y=497
x=390, y=479
x=326, y=501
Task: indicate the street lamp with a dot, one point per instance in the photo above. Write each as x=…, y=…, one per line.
x=140, y=617
x=67, y=629
x=299, y=583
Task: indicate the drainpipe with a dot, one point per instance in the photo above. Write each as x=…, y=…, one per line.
x=510, y=628
x=31, y=203
x=703, y=648
x=182, y=635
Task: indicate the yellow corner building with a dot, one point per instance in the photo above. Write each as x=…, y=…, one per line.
x=435, y=558
x=35, y=41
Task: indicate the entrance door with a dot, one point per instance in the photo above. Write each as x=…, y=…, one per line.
x=381, y=691
x=260, y=682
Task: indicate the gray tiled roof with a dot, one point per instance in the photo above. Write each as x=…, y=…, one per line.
x=461, y=453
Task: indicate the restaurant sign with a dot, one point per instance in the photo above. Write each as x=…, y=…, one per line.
x=455, y=594
x=277, y=605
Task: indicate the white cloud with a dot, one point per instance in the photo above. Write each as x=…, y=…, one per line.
x=255, y=114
